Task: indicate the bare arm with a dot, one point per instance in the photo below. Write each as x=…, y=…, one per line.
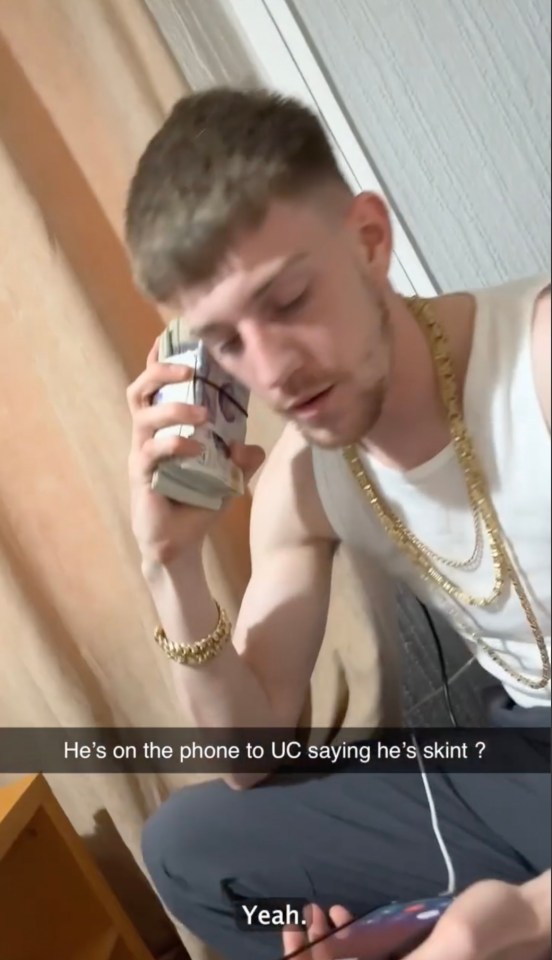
x=261, y=679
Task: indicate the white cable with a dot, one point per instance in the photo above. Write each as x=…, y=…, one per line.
x=451, y=874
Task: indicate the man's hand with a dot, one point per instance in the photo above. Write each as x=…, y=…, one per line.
x=494, y=921
x=489, y=921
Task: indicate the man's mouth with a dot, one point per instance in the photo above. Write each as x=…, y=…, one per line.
x=310, y=407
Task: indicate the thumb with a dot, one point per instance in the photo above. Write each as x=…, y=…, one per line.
x=248, y=457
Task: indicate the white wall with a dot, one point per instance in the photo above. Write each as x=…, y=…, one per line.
x=452, y=101
x=205, y=44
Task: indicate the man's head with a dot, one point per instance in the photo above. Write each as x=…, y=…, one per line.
x=239, y=217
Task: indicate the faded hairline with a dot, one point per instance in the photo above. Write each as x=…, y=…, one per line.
x=211, y=174
x=181, y=255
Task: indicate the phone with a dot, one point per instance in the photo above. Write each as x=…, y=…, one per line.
x=388, y=933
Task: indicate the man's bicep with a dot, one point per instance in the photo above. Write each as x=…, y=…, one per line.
x=282, y=622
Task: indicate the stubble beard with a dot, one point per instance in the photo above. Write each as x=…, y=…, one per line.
x=368, y=403
x=368, y=398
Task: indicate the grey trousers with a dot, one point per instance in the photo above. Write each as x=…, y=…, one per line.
x=358, y=839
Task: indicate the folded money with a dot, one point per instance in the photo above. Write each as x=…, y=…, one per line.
x=208, y=479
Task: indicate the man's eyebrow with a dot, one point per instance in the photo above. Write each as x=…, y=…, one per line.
x=219, y=326
x=210, y=329
x=291, y=261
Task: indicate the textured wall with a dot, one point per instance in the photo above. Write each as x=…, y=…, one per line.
x=204, y=42
x=452, y=101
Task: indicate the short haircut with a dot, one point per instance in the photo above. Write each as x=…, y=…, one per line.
x=210, y=173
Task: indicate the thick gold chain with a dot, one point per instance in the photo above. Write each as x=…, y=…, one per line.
x=482, y=508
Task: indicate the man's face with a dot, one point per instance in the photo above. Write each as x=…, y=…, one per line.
x=297, y=315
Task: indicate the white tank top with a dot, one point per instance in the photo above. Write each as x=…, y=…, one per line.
x=504, y=417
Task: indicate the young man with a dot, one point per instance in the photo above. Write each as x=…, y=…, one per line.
x=419, y=435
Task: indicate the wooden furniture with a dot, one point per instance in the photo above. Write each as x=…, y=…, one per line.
x=54, y=902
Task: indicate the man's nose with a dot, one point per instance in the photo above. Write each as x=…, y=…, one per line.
x=275, y=358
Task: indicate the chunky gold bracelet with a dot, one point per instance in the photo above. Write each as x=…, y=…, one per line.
x=201, y=651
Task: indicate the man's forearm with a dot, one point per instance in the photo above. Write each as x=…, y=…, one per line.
x=223, y=692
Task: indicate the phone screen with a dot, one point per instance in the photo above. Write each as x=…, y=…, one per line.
x=388, y=933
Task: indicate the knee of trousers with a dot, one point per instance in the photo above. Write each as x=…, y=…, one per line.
x=208, y=845
x=193, y=841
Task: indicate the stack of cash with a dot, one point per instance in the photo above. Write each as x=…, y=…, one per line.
x=208, y=479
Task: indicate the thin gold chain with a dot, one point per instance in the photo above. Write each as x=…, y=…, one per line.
x=410, y=544
x=468, y=564
x=481, y=505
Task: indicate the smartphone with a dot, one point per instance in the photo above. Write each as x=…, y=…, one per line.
x=388, y=933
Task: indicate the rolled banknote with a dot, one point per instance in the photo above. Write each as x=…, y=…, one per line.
x=208, y=479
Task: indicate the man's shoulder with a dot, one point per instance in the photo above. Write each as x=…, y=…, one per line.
x=289, y=463
x=287, y=486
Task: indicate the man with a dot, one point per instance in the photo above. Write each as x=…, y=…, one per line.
x=418, y=434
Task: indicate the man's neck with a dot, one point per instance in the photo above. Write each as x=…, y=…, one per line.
x=413, y=426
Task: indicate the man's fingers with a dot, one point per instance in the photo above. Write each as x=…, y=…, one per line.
x=143, y=464
x=153, y=355
x=317, y=927
x=148, y=420
x=156, y=375
x=340, y=916
x=317, y=922
x=293, y=940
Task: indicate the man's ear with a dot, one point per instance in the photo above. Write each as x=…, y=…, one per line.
x=370, y=219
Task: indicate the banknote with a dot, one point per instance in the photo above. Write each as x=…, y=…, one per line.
x=210, y=478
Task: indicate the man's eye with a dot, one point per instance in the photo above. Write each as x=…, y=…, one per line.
x=230, y=346
x=290, y=305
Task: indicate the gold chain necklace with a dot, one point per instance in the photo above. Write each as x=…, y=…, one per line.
x=481, y=505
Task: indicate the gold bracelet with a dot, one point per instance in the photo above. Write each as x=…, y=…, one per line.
x=201, y=651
